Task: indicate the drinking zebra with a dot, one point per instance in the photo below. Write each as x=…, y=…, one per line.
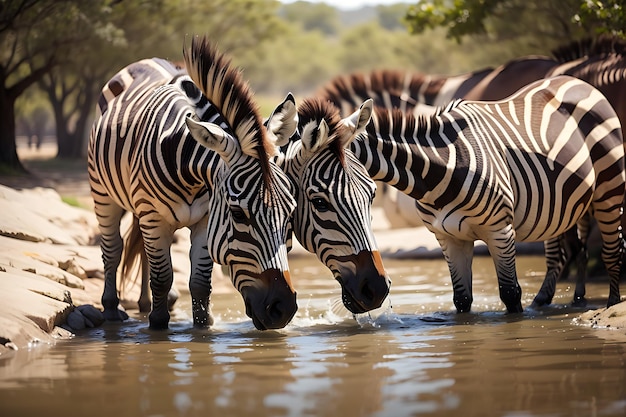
x=600, y=62
x=525, y=168
x=334, y=194
x=191, y=151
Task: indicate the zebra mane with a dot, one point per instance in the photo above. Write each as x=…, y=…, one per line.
x=316, y=109
x=357, y=87
x=396, y=122
x=602, y=45
x=390, y=122
x=225, y=87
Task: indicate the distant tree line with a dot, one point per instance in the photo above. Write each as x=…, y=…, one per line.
x=56, y=54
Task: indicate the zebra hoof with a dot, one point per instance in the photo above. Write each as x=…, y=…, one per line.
x=511, y=296
x=541, y=300
x=515, y=309
x=203, y=322
x=159, y=322
x=613, y=300
x=114, y=315
x=579, y=302
x=463, y=304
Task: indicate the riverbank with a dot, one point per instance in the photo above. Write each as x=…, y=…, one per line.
x=51, y=267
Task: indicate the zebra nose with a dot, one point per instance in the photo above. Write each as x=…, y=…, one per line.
x=279, y=312
x=365, y=287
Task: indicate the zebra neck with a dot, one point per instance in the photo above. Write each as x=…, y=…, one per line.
x=405, y=165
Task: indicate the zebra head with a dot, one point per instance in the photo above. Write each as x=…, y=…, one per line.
x=334, y=195
x=251, y=200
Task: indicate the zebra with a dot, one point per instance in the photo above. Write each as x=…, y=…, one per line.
x=599, y=62
x=191, y=151
x=525, y=168
x=334, y=195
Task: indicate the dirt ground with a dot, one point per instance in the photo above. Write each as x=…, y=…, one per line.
x=67, y=177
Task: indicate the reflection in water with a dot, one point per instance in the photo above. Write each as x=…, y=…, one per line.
x=416, y=358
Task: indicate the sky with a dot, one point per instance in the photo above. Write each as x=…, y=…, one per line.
x=355, y=4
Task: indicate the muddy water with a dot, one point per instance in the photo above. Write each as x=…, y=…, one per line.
x=415, y=358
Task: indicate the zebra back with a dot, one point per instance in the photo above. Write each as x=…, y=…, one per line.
x=600, y=62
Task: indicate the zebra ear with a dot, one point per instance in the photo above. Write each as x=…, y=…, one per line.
x=358, y=120
x=315, y=137
x=283, y=121
x=213, y=137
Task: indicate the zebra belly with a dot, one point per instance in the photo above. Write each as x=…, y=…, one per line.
x=550, y=203
x=445, y=222
x=176, y=212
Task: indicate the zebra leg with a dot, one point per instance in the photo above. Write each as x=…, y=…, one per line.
x=144, y=296
x=581, y=263
x=459, y=254
x=109, y=216
x=612, y=248
x=582, y=258
x=502, y=249
x=554, y=265
x=200, y=279
x=158, y=240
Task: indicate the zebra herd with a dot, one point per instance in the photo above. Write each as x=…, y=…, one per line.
x=186, y=147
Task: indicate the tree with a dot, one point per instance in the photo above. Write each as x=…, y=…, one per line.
x=312, y=16
x=559, y=20
x=73, y=85
x=24, y=26
x=608, y=16
x=88, y=41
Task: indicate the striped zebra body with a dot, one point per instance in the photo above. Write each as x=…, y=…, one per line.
x=334, y=194
x=526, y=168
x=601, y=63
x=190, y=151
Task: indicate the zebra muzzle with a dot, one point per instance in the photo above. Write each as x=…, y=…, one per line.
x=364, y=283
x=272, y=304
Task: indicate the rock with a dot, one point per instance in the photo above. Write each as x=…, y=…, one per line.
x=72, y=267
x=613, y=317
x=92, y=314
x=76, y=320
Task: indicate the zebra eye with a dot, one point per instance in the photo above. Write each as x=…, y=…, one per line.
x=238, y=215
x=320, y=204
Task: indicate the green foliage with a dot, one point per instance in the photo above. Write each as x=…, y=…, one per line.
x=607, y=16
x=312, y=17
x=391, y=17
x=565, y=19
x=293, y=47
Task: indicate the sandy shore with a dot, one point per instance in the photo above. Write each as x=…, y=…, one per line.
x=50, y=263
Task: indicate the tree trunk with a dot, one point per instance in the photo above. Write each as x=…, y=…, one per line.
x=9, y=161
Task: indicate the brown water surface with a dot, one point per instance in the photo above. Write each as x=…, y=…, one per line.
x=415, y=358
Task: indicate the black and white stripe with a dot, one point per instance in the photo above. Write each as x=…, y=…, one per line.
x=526, y=168
x=181, y=150
x=334, y=197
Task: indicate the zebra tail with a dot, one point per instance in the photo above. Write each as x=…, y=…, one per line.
x=134, y=252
